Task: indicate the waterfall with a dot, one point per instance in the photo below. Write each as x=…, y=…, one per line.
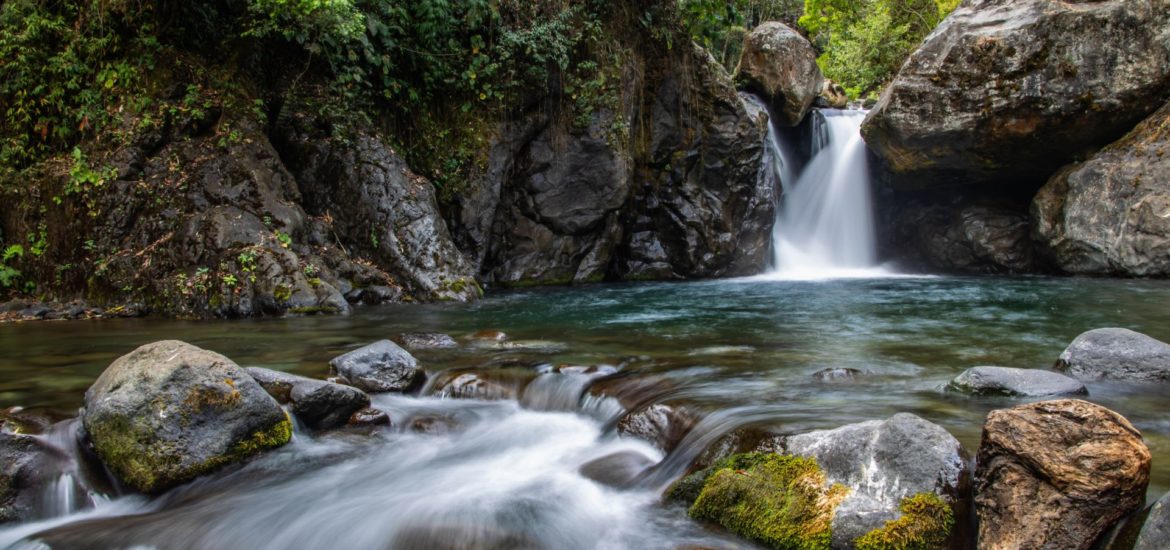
x=824, y=223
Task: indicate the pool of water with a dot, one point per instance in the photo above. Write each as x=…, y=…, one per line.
x=732, y=345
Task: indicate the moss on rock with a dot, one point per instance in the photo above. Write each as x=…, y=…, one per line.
x=782, y=501
x=925, y=524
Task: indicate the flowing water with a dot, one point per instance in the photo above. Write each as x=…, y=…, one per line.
x=824, y=223
x=508, y=473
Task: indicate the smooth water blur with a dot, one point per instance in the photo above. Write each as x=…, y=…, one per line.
x=739, y=351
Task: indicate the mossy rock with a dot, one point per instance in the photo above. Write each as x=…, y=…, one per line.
x=781, y=501
x=168, y=412
x=925, y=524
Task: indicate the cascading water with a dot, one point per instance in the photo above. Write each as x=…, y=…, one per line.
x=824, y=222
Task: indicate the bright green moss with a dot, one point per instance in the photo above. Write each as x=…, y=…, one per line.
x=782, y=501
x=925, y=524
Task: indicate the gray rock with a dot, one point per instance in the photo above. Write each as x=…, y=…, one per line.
x=1117, y=354
x=780, y=65
x=380, y=367
x=369, y=417
x=492, y=384
x=882, y=461
x=168, y=412
x=1110, y=215
x=618, y=469
x=1004, y=92
x=1155, y=533
x=317, y=403
x=1015, y=382
x=660, y=425
x=955, y=233
x=27, y=467
x=427, y=340
x=836, y=374
x=1057, y=475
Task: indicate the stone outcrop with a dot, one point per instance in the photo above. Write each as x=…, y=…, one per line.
x=1155, y=533
x=1004, y=92
x=169, y=411
x=1117, y=354
x=1110, y=215
x=956, y=234
x=379, y=367
x=27, y=466
x=1015, y=382
x=781, y=66
x=1057, y=474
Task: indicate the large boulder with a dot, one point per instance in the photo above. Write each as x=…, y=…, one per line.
x=380, y=367
x=1118, y=354
x=1110, y=215
x=317, y=403
x=1015, y=382
x=1005, y=92
x=953, y=233
x=169, y=411
x=883, y=463
x=781, y=66
x=1057, y=474
x=1155, y=533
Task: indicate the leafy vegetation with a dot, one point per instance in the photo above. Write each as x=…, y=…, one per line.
x=864, y=42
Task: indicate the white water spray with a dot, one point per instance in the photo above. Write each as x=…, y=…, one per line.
x=824, y=225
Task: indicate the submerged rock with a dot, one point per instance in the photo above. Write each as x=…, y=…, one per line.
x=490, y=384
x=1117, y=354
x=319, y=404
x=1155, y=534
x=1057, y=474
x=661, y=425
x=836, y=374
x=781, y=66
x=1015, y=382
x=427, y=340
x=380, y=367
x=1005, y=92
x=168, y=412
x=1110, y=215
x=27, y=467
x=883, y=462
x=369, y=417
x=618, y=469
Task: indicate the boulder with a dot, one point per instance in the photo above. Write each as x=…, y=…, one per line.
x=660, y=425
x=1015, y=382
x=1110, y=215
x=369, y=417
x=1155, y=533
x=380, y=367
x=1116, y=354
x=781, y=66
x=168, y=412
x=620, y=469
x=317, y=403
x=832, y=96
x=1057, y=474
x=955, y=233
x=883, y=463
x=27, y=466
x=1004, y=92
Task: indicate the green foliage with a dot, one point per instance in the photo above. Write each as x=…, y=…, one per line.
x=85, y=181
x=925, y=524
x=782, y=501
x=864, y=42
x=9, y=276
x=720, y=26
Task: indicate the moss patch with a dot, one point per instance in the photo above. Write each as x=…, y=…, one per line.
x=275, y=436
x=779, y=500
x=926, y=523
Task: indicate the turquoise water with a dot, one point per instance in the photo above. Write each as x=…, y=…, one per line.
x=718, y=345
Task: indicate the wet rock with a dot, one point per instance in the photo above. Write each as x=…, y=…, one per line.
x=1155, y=534
x=1057, y=474
x=319, y=404
x=15, y=420
x=168, y=412
x=489, y=335
x=659, y=424
x=618, y=469
x=380, y=367
x=433, y=425
x=427, y=340
x=1004, y=92
x=955, y=233
x=780, y=65
x=836, y=374
x=369, y=417
x=1116, y=354
x=494, y=384
x=738, y=441
x=27, y=467
x=832, y=96
x=884, y=462
x=1015, y=382
x=1109, y=214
